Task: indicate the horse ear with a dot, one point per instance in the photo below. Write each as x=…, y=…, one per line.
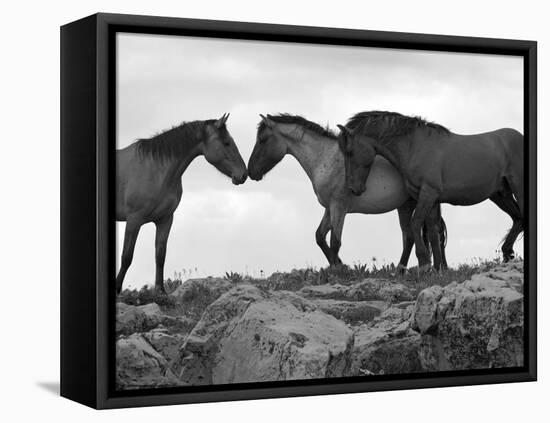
x=346, y=142
x=344, y=130
x=221, y=121
x=268, y=122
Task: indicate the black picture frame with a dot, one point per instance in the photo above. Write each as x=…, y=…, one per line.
x=88, y=224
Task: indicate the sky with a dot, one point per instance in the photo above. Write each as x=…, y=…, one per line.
x=261, y=227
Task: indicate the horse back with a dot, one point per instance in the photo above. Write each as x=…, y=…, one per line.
x=144, y=187
x=512, y=142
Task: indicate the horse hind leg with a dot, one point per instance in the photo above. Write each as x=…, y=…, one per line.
x=405, y=213
x=432, y=227
x=337, y=217
x=424, y=205
x=442, y=232
x=130, y=236
x=321, y=235
x=506, y=202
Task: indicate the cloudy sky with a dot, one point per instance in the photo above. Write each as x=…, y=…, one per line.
x=270, y=225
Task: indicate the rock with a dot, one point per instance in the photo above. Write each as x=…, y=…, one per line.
x=428, y=312
x=351, y=312
x=131, y=319
x=387, y=345
x=166, y=344
x=366, y=290
x=196, y=294
x=380, y=289
x=292, y=281
x=326, y=291
x=252, y=335
x=211, y=287
x=472, y=325
x=138, y=365
x=511, y=272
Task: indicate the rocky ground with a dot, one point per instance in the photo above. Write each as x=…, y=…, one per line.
x=216, y=331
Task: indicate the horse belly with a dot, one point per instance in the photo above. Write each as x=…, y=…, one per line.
x=469, y=185
x=469, y=192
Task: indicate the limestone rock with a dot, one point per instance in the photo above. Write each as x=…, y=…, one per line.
x=139, y=365
x=132, y=319
x=352, y=312
x=475, y=324
x=250, y=335
x=387, y=345
x=366, y=290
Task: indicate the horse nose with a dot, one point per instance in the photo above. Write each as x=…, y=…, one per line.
x=237, y=180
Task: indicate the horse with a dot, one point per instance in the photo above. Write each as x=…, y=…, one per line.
x=148, y=181
x=438, y=166
x=316, y=150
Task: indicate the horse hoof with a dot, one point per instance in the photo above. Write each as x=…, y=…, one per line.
x=400, y=270
x=160, y=291
x=508, y=257
x=425, y=268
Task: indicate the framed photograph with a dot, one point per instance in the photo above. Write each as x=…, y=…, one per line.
x=256, y=211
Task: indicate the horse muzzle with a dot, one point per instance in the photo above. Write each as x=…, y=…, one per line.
x=255, y=176
x=238, y=180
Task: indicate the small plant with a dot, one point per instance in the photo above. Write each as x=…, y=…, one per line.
x=170, y=285
x=233, y=277
x=360, y=270
x=145, y=295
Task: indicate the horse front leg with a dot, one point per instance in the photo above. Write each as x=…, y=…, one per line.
x=161, y=240
x=337, y=216
x=130, y=236
x=321, y=235
x=426, y=200
x=405, y=213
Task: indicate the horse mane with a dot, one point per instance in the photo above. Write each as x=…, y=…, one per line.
x=174, y=142
x=386, y=125
x=301, y=121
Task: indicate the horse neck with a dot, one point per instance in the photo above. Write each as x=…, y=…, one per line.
x=311, y=150
x=174, y=167
x=181, y=164
x=395, y=152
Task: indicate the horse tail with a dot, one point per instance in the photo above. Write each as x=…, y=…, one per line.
x=442, y=232
x=426, y=238
x=516, y=216
x=442, y=228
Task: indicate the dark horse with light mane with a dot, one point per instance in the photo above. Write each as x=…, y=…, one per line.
x=316, y=149
x=148, y=181
x=438, y=166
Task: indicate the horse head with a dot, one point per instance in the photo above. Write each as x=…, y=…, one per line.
x=270, y=148
x=359, y=153
x=220, y=150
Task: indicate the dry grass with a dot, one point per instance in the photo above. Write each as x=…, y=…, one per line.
x=298, y=278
